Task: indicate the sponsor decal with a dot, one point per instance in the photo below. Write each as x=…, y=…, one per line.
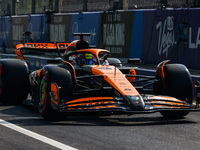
x=122, y=83
x=127, y=90
x=195, y=43
x=166, y=35
x=104, y=68
x=135, y=98
x=44, y=45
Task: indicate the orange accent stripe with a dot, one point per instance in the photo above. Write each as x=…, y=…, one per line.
x=163, y=74
x=96, y=107
x=55, y=102
x=38, y=72
x=169, y=103
x=19, y=54
x=89, y=99
x=72, y=68
x=89, y=103
x=54, y=90
x=166, y=98
x=171, y=106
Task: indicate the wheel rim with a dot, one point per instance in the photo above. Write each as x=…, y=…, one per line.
x=43, y=93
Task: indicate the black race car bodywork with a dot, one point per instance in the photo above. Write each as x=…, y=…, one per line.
x=70, y=85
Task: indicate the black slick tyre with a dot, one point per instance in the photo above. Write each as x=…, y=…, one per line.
x=14, y=85
x=177, y=83
x=50, y=74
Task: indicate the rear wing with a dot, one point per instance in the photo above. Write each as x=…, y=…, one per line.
x=41, y=47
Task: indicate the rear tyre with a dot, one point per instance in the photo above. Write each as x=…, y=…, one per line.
x=49, y=108
x=14, y=85
x=177, y=83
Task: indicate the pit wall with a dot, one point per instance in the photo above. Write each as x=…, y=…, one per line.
x=151, y=35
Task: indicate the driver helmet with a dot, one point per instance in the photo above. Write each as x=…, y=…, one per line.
x=86, y=59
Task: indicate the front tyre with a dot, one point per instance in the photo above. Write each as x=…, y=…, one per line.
x=177, y=83
x=61, y=80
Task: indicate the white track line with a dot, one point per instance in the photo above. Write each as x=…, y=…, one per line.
x=36, y=136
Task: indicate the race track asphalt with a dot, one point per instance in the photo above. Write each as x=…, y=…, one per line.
x=89, y=132
x=138, y=132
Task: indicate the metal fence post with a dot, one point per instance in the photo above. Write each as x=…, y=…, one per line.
x=56, y=6
x=33, y=7
x=13, y=7
x=84, y=5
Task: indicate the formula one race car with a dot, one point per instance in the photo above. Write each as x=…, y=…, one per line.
x=82, y=81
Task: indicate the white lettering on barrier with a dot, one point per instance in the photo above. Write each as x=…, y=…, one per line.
x=166, y=35
x=17, y=20
x=197, y=42
x=113, y=17
x=75, y=27
x=114, y=34
x=114, y=50
x=57, y=19
x=17, y=32
x=57, y=33
x=4, y=34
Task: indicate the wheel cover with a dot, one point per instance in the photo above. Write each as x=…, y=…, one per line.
x=43, y=93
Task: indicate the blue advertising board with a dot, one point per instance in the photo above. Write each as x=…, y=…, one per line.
x=85, y=23
x=37, y=26
x=161, y=35
x=172, y=34
x=191, y=53
x=137, y=36
x=4, y=31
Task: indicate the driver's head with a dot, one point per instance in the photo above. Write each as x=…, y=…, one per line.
x=88, y=59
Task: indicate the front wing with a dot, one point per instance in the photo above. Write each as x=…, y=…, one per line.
x=115, y=105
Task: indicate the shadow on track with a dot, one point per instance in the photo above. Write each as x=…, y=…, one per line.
x=29, y=117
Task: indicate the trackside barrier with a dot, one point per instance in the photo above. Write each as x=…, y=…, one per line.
x=153, y=35
x=35, y=62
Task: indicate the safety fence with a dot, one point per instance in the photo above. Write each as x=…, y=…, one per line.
x=21, y=7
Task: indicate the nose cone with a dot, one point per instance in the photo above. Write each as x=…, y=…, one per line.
x=136, y=102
